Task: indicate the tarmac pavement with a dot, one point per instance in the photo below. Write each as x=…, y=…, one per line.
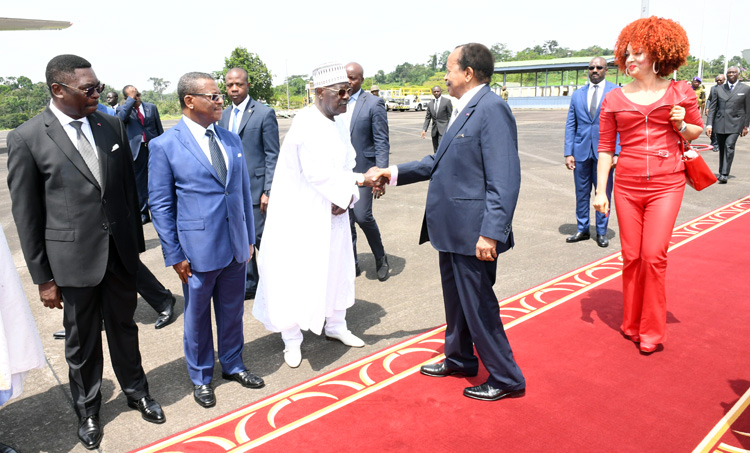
x=408, y=303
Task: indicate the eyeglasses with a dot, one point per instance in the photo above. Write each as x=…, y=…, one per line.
x=341, y=92
x=88, y=91
x=213, y=97
x=591, y=68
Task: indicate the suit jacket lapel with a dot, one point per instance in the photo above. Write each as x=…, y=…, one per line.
x=228, y=150
x=458, y=124
x=188, y=141
x=104, y=142
x=246, y=114
x=358, y=106
x=58, y=135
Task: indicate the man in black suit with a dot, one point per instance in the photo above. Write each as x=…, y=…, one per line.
x=258, y=129
x=719, y=79
x=439, y=112
x=475, y=177
x=729, y=119
x=75, y=206
x=368, y=126
x=143, y=124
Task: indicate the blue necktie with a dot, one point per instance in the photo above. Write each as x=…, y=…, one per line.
x=234, y=124
x=217, y=158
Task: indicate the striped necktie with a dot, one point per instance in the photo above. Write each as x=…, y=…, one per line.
x=217, y=157
x=87, y=151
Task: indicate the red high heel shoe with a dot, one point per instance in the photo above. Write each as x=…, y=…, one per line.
x=648, y=348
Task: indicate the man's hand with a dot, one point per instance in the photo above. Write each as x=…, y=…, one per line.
x=378, y=192
x=263, y=203
x=744, y=132
x=252, y=249
x=183, y=270
x=377, y=177
x=710, y=129
x=335, y=210
x=423, y=133
x=486, y=249
x=570, y=162
x=49, y=294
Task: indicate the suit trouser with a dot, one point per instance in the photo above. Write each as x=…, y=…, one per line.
x=226, y=287
x=584, y=175
x=436, y=141
x=112, y=300
x=726, y=151
x=472, y=315
x=714, y=141
x=646, y=212
x=140, y=166
x=362, y=215
x=251, y=280
x=151, y=289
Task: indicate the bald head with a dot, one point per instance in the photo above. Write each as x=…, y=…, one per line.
x=355, y=73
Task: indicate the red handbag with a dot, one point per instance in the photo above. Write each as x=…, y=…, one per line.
x=698, y=174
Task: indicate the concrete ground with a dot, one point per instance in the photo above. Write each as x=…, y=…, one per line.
x=385, y=313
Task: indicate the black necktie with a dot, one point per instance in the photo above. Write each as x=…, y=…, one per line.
x=594, y=103
x=217, y=157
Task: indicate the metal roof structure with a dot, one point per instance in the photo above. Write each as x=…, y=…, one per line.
x=9, y=23
x=550, y=65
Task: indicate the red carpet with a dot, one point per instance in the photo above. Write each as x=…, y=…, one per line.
x=588, y=388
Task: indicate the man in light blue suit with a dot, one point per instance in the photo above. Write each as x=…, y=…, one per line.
x=581, y=154
x=258, y=129
x=199, y=190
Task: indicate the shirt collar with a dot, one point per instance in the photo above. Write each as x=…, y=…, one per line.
x=63, y=118
x=243, y=105
x=355, y=96
x=468, y=96
x=198, y=131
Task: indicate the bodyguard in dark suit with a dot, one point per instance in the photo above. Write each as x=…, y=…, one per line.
x=258, y=129
x=475, y=177
x=581, y=149
x=143, y=124
x=439, y=112
x=729, y=118
x=719, y=79
x=369, y=135
x=200, y=197
x=76, y=210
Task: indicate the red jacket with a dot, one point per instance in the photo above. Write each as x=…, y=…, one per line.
x=649, y=144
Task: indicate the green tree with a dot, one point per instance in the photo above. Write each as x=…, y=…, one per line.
x=501, y=52
x=260, y=78
x=160, y=85
x=443, y=61
x=20, y=100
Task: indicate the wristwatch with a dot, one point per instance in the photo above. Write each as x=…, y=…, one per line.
x=360, y=178
x=267, y=193
x=684, y=126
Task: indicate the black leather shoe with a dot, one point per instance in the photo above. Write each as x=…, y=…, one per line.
x=90, y=432
x=382, y=267
x=204, y=395
x=150, y=410
x=249, y=294
x=6, y=449
x=166, y=317
x=246, y=378
x=59, y=335
x=722, y=179
x=486, y=392
x=145, y=219
x=602, y=241
x=579, y=236
x=441, y=370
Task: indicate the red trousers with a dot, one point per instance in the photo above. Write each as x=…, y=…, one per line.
x=646, y=212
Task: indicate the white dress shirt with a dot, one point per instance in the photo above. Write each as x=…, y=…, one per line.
x=599, y=92
x=65, y=120
x=238, y=118
x=199, y=132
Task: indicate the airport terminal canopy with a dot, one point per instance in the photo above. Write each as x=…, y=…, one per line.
x=550, y=65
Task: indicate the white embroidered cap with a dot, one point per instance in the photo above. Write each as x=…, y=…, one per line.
x=329, y=74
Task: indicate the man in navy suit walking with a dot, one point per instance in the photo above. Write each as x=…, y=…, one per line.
x=581, y=144
x=369, y=134
x=258, y=129
x=200, y=200
x=475, y=177
x=143, y=125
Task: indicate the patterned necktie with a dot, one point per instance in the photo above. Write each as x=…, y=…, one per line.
x=453, y=118
x=594, y=103
x=143, y=122
x=87, y=152
x=235, y=123
x=217, y=157
x=730, y=87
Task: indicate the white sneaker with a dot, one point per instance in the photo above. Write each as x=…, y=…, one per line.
x=293, y=356
x=347, y=338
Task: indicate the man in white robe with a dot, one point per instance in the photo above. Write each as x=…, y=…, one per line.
x=313, y=182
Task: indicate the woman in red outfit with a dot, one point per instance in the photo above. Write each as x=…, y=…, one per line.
x=650, y=113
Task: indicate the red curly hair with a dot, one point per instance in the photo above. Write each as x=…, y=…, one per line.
x=664, y=40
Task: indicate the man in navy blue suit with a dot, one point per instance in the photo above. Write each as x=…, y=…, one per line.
x=143, y=125
x=368, y=125
x=475, y=177
x=581, y=149
x=258, y=129
x=199, y=190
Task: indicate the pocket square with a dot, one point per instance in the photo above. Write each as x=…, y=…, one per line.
x=114, y=148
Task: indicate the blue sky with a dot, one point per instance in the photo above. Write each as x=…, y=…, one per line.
x=128, y=42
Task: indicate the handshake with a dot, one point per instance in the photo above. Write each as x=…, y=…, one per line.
x=377, y=178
